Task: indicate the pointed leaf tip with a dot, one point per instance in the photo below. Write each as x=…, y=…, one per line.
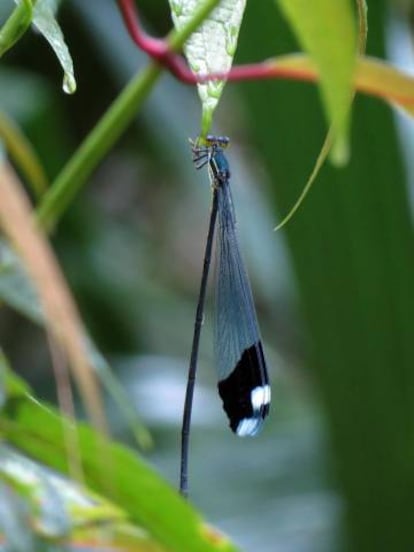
x=211, y=48
x=45, y=21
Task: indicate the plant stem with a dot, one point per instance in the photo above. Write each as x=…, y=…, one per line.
x=22, y=153
x=75, y=173
x=16, y=25
x=95, y=146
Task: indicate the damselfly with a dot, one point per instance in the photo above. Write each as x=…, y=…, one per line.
x=243, y=380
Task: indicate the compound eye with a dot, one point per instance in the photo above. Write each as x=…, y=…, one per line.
x=223, y=141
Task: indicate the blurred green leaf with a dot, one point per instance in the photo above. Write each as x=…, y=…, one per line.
x=112, y=471
x=11, y=385
x=329, y=140
x=60, y=511
x=327, y=31
x=352, y=248
x=17, y=291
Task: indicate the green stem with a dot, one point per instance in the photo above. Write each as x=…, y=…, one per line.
x=22, y=153
x=96, y=145
x=16, y=25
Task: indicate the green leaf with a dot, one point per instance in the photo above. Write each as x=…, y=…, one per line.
x=211, y=48
x=59, y=510
x=17, y=291
x=113, y=471
x=352, y=253
x=11, y=385
x=44, y=19
x=327, y=31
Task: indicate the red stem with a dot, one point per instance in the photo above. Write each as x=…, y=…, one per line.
x=158, y=49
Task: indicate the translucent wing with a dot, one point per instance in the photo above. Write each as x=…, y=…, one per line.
x=243, y=380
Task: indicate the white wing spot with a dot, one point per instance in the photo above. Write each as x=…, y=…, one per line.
x=260, y=396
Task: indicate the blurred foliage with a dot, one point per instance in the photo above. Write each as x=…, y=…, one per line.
x=352, y=248
x=109, y=469
x=334, y=466
x=333, y=52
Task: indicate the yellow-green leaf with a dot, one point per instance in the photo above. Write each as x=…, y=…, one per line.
x=327, y=31
x=114, y=472
x=372, y=76
x=377, y=78
x=23, y=154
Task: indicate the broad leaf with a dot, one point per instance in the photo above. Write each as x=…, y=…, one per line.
x=327, y=31
x=113, y=471
x=60, y=509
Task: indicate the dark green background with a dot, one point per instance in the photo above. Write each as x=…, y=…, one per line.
x=338, y=328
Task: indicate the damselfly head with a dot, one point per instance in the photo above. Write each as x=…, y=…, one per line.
x=204, y=149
